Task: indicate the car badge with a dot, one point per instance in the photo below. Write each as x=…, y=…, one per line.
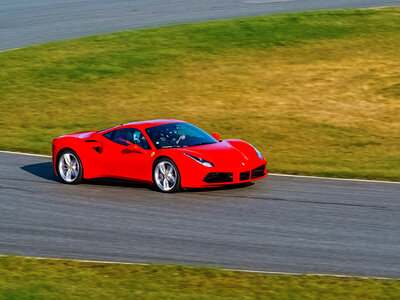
x=243, y=163
x=152, y=154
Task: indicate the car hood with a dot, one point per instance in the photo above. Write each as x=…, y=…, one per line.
x=228, y=153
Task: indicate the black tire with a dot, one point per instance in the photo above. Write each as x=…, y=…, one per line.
x=169, y=180
x=70, y=172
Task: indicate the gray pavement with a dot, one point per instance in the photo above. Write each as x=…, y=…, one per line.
x=28, y=22
x=286, y=224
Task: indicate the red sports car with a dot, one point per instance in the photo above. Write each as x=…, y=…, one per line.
x=171, y=154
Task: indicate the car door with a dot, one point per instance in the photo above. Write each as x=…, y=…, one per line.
x=122, y=159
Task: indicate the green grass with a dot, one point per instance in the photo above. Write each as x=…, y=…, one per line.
x=28, y=278
x=317, y=92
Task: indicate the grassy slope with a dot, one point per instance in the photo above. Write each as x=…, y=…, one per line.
x=25, y=278
x=317, y=92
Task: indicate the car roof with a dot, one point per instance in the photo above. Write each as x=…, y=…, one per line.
x=144, y=124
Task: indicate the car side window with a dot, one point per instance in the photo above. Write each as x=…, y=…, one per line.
x=109, y=135
x=125, y=136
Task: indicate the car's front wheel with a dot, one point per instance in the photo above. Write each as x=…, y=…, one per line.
x=70, y=167
x=166, y=176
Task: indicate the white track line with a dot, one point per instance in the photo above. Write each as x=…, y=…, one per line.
x=271, y=174
x=5, y=50
x=233, y=270
x=334, y=178
x=21, y=153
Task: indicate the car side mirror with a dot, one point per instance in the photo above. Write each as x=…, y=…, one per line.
x=215, y=136
x=133, y=148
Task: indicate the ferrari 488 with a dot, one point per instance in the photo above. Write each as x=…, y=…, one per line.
x=170, y=154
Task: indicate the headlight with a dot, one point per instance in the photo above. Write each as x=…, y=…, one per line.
x=201, y=161
x=258, y=152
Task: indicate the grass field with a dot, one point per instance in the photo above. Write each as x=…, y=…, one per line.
x=27, y=278
x=317, y=92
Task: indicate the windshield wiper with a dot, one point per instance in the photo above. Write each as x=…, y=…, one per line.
x=204, y=143
x=171, y=146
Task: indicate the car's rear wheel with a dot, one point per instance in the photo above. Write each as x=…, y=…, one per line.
x=70, y=167
x=166, y=176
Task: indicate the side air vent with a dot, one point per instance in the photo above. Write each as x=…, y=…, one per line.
x=95, y=145
x=98, y=149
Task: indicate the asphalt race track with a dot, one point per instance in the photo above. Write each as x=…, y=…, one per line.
x=28, y=22
x=286, y=224
x=283, y=224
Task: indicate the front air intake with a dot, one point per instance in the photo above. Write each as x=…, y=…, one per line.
x=258, y=172
x=244, y=175
x=218, y=177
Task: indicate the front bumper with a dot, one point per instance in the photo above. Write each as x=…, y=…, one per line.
x=213, y=177
x=218, y=179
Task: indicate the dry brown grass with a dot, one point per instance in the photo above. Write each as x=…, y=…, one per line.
x=323, y=106
x=29, y=278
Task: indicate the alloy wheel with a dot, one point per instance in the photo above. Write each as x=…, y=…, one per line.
x=68, y=167
x=166, y=176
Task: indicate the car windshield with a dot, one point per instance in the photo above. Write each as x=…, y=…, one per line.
x=175, y=135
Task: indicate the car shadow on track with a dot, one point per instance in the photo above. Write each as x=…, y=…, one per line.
x=220, y=188
x=45, y=170
x=119, y=182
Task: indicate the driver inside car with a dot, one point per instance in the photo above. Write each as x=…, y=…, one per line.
x=139, y=139
x=175, y=136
